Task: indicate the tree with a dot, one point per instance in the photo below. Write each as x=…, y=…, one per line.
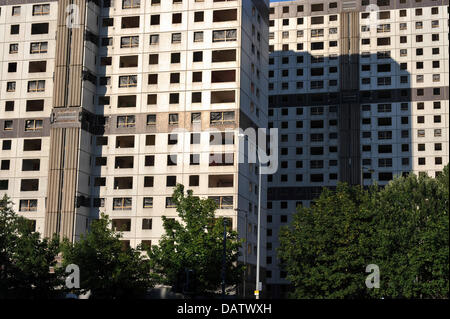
x=412, y=238
x=25, y=259
x=108, y=269
x=327, y=247
x=194, y=245
x=402, y=228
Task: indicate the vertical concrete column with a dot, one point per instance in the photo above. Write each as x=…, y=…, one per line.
x=65, y=123
x=349, y=108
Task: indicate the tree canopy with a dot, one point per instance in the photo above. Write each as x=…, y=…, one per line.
x=108, y=269
x=26, y=259
x=402, y=228
x=194, y=244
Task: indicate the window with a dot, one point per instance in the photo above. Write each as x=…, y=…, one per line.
x=146, y=223
x=8, y=125
x=199, y=16
x=176, y=18
x=28, y=205
x=148, y=181
x=384, y=148
x=154, y=39
x=383, y=41
x=385, y=176
x=153, y=59
x=13, y=48
x=150, y=160
x=196, y=97
x=128, y=81
x=39, y=28
x=153, y=78
x=126, y=101
x=198, y=36
x=197, y=56
x=129, y=61
x=28, y=144
x=33, y=125
x=172, y=160
x=151, y=119
x=105, y=61
x=29, y=185
x=10, y=86
x=223, y=76
x=195, y=138
x=148, y=202
x=437, y=132
x=9, y=106
x=196, y=117
x=12, y=67
x=173, y=118
x=38, y=47
x=36, y=86
x=174, y=98
x=15, y=11
x=175, y=57
x=41, y=9
x=129, y=42
x=129, y=4
x=15, y=28
x=122, y=203
x=224, y=35
x=107, y=42
x=222, y=117
x=223, y=202
x=384, y=135
x=126, y=121
x=170, y=202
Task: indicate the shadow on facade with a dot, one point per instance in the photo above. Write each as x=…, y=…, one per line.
x=362, y=134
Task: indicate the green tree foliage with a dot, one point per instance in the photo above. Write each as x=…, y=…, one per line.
x=326, y=249
x=402, y=227
x=412, y=238
x=195, y=244
x=108, y=269
x=25, y=259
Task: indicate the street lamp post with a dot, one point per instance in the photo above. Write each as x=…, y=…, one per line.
x=258, y=245
x=224, y=256
x=245, y=248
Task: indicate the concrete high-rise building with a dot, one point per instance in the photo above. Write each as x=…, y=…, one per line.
x=106, y=105
x=359, y=91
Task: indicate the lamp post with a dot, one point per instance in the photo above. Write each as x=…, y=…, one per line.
x=245, y=248
x=258, y=245
x=224, y=252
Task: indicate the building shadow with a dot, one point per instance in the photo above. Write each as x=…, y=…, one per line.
x=342, y=118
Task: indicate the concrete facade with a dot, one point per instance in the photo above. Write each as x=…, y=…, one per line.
x=136, y=96
x=357, y=97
